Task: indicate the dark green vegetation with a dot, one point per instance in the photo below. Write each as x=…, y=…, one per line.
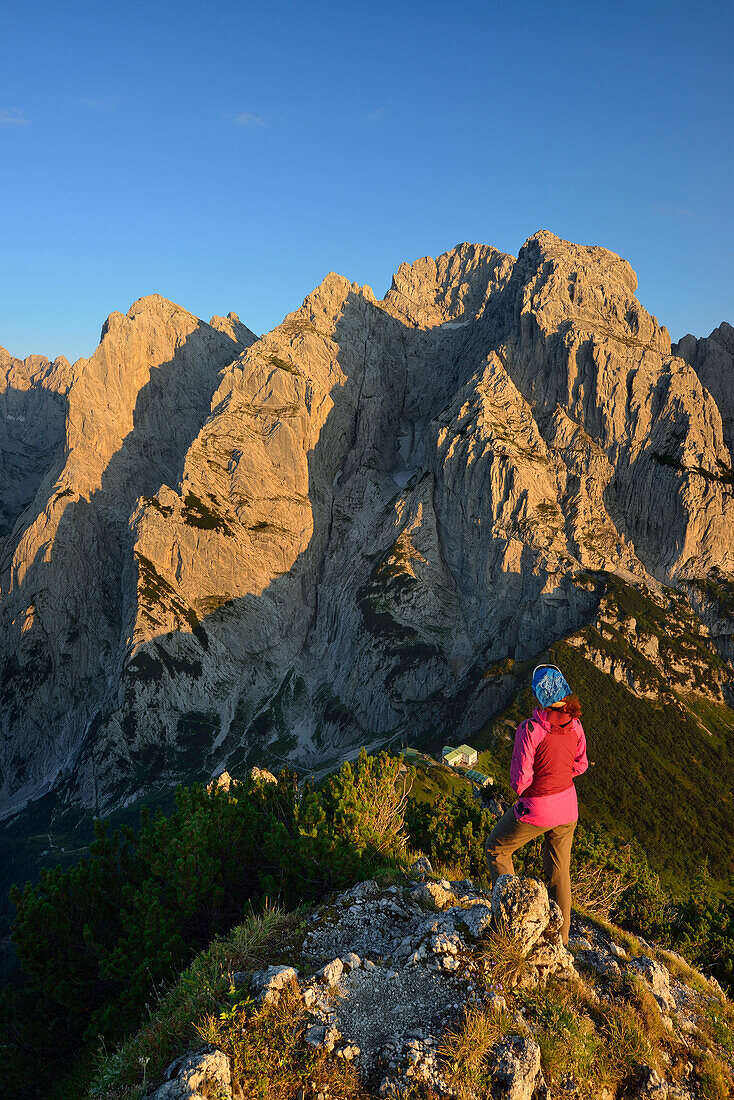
x=282, y=364
x=391, y=582
x=95, y=940
x=198, y=514
x=724, y=474
x=150, y=664
x=445, y=821
x=154, y=592
x=718, y=588
x=98, y=939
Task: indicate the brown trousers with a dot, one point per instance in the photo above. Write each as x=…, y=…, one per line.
x=509, y=834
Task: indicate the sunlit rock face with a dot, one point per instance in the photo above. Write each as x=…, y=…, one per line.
x=220, y=549
x=712, y=358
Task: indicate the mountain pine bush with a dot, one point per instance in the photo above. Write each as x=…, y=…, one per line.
x=96, y=940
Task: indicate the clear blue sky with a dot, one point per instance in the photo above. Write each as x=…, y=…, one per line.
x=228, y=155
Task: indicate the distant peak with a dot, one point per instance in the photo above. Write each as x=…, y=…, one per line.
x=457, y=283
x=155, y=305
x=232, y=327
x=326, y=302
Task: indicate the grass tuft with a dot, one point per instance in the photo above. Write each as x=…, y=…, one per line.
x=624, y=1042
x=566, y=1036
x=463, y=1050
x=503, y=959
x=715, y=1079
x=269, y=1058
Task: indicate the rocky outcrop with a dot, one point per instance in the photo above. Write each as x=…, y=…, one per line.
x=279, y=549
x=387, y=983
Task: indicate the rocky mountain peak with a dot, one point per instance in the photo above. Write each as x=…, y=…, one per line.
x=324, y=305
x=151, y=309
x=586, y=287
x=545, y=246
x=454, y=287
x=232, y=326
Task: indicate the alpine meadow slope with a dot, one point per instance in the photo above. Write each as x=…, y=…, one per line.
x=219, y=550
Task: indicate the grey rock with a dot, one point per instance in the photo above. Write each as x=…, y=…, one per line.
x=476, y=919
x=315, y=1035
x=549, y=956
x=599, y=961
x=516, y=1068
x=555, y=921
x=366, y=889
x=658, y=978
x=332, y=972
x=435, y=893
x=267, y=985
x=651, y=1086
x=521, y=906
x=196, y=1072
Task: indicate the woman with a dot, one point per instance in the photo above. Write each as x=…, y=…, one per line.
x=550, y=751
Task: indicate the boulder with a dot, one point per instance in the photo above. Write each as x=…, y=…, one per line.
x=267, y=985
x=422, y=866
x=521, y=906
x=516, y=1068
x=332, y=972
x=547, y=957
x=263, y=775
x=434, y=893
x=197, y=1076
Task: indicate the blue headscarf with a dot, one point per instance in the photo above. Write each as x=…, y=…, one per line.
x=549, y=685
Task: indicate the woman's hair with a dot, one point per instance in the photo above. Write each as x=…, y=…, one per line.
x=571, y=705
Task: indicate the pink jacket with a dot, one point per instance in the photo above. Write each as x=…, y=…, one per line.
x=550, y=751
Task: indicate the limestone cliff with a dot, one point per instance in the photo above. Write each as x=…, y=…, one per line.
x=288, y=546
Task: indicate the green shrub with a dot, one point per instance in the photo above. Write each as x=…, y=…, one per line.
x=703, y=930
x=95, y=940
x=450, y=830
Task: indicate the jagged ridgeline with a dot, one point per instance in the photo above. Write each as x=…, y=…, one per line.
x=219, y=550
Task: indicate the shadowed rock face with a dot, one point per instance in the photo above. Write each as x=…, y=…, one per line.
x=292, y=545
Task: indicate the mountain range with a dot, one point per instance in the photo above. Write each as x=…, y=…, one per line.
x=360, y=528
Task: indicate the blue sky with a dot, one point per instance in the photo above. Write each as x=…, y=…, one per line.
x=228, y=155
